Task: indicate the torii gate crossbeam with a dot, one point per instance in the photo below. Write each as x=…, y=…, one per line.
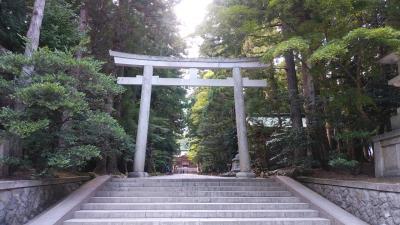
x=148, y=80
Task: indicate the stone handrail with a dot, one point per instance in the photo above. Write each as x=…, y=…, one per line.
x=386, y=187
x=15, y=184
x=64, y=209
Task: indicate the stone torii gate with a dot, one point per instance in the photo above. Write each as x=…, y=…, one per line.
x=148, y=80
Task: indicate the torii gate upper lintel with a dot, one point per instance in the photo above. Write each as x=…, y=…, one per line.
x=148, y=80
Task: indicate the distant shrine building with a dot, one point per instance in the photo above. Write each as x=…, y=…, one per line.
x=182, y=164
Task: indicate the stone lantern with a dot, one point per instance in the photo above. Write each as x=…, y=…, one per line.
x=235, y=164
x=387, y=145
x=392, y=59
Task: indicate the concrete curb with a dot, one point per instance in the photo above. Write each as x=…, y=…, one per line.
x=337, y=215
x=65, y=209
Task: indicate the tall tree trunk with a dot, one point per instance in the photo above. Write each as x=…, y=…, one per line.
x=315, y=127
x=109, y=162
x=33, y=36
x=79, y=54
x=309, y=94
x=83, y=26
x=32, y=44
x=309, y=103
x=101, y=165
x=295, y=107
x=112, y=162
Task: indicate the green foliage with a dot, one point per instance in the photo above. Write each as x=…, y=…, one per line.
x=354, y=134
x=382, y=35
x=296, y=44
x=142, y=27
x=281, y=145
x=5, y=86
x=100, y=128
x=212, y=127
x=14, y=122
x=12, y=23
x=332, y=51
x=62, y=124
x=59, y=28
x=341, y=163
x=75, y=156
x=162, y=161
x=337, y=49
x=60, y=25
x=50, y=95
x=68, y=116
x=69, y=104
x=16, y=161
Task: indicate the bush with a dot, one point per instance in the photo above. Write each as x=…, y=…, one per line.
x=342, y=164
x=65, y=122
x=282, y=145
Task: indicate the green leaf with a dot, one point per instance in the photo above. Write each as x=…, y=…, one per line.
x=296, y=44
x=332, y=51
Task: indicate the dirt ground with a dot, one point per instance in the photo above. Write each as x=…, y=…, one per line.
x=319, y=173
x=365, y=173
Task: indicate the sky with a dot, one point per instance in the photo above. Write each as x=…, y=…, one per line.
x=190, y=14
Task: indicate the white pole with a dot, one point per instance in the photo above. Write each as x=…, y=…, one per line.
x=244, y=156
x=143, y=124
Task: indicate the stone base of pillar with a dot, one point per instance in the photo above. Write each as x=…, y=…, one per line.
x=245, y=175
x=138, y=174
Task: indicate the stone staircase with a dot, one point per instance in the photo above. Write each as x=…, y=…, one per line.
x=222, y=201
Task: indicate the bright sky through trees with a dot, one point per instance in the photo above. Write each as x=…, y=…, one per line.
x=191, y=13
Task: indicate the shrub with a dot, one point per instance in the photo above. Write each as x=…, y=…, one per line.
x=342, y=164
x=65, y=120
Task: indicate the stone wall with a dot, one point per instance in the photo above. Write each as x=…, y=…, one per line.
x=22, y=200
x=375, y=203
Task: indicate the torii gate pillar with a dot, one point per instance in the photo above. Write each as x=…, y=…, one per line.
x=147, y=80
x=143, y=124
x=241, y=127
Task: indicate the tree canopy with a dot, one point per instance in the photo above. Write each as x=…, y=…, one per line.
x=75, y=115
x=325, y=71
x=327, y=93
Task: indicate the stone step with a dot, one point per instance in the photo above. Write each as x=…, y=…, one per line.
x=205, y=221
x=303, y=213
x=166, y=193
x=205, y=180
x=194, y=200
x=181, y=189
x=188, y=184
x=193, y=206
x=226, y=201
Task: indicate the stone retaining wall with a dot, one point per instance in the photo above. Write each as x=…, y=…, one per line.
x=375, y=203
x=22, y=200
